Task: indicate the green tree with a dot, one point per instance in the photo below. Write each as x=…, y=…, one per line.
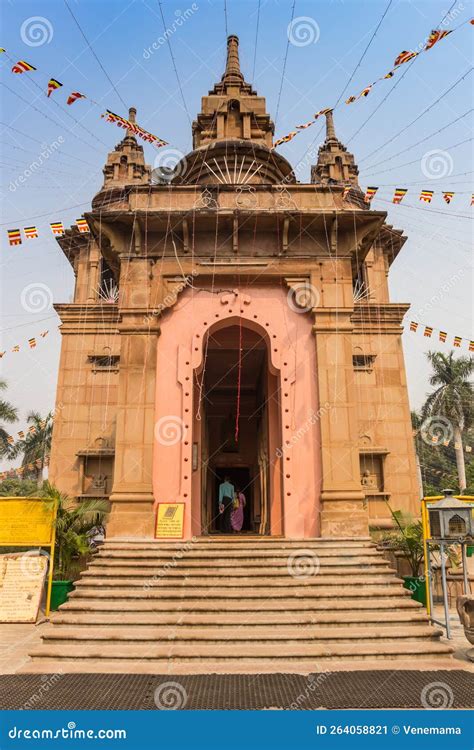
x=35, y=446
x=9, y=414
x=451, y=402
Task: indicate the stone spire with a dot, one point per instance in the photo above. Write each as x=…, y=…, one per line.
x=335, y=165
x=233, y=74
x=125, y=165
x=232, y=110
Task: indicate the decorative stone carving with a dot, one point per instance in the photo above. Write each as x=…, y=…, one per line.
x=235, y=296
x=206, y=200
x=246, y=197
x=283, y=198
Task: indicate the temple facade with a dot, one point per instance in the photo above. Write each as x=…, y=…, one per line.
x=229, y=319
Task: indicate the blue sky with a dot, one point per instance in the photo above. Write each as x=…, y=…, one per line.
x=433, y=270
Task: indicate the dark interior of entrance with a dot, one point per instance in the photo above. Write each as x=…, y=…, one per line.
x=242, y=457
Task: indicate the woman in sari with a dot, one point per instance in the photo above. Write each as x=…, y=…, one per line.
x=237, y=515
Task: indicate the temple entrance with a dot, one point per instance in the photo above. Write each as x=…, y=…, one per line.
x=239, y=407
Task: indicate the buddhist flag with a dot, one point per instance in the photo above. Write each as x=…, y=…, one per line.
x=390, y=74
x=43, y=334
x=22, y=67
x=31, y=233
x=426, y=196
x=38, y=463
x=351, y=99
x=366, y=91
x=57, y=227
x=2, y=354
x=442, y=336
x=399, y=195
x=16, y=348
x=457, y=446
x=21, y=435
x=324, y=111
x=457, y=341
x=32, y=343
x=285, y=138
x=434, y=438
x=14, y=236
x=346, y=191
x=472, y=199
x=74, y=97
x=428, y=332
x=447, y=197
x=369, y=194
x=42, y=423
x=305, y=125
x=32, y=430
x=434, y=37
x=53, y=84
x=468, y=449
x=404, y=57
x=10, y=439
x=82, y=225
x=471, y=346
x=413, y=326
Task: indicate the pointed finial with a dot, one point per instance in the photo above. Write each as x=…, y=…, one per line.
x=232, y=69
x=132, y=113
x=330, y=130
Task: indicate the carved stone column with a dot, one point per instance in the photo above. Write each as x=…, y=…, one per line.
x=342, y=512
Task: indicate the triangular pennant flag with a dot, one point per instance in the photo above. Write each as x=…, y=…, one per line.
x=53, y=84
x=404, y=57
x=399, y=195
x=22, y=67
x=74, y=97
x=447, y=197
x=434, y=37
x=426, y=195
x=413, y=326
x=369, y=194
x=57, y=227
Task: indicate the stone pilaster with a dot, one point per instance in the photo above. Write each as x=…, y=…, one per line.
x=132, y=494
x=342, y=511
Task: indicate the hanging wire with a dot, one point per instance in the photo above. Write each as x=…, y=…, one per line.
x=89, y=45
x=167, y=37
x=256, y=40
x=284, y=62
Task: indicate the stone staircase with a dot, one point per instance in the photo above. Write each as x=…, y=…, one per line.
x=237, y=604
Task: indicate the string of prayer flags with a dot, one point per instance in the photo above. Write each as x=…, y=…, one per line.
x=74, y=96
x=82, y=225
x=435, y=36
x=404, y=57
x=122, y=122
x=399, y=195
x=57, y=227
x=22, y=67
x=442, y=335
x=447, y=197
x=53, y=84
x=32, y=343
x=369, y=194
x=286, y=138
x=303, y=126
x=426, y=195
x=14, y=236
x=31, y=233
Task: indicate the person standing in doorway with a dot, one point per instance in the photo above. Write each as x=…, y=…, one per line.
x=226, y=499
x=237, y=515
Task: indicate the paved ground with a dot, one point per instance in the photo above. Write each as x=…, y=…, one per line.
x=331, y=690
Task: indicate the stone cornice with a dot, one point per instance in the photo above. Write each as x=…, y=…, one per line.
x=385, y=318
x=83, y=318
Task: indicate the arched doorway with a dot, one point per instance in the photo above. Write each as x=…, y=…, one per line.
x=237, y=421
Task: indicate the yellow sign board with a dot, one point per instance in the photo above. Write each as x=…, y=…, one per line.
x=29, y=522
x=170, y=521
x=25, y=521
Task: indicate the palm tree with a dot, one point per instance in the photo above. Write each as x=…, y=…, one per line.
x=452, y=400
x=36, y=445
x=8, y=413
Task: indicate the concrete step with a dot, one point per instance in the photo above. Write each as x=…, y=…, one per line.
x=293, y=604
x=261, y=652
x=236, y=554
x=183, y=570
x=336, y=619
x=229, y=541
x=225, y=582
x=249, y=633
x=246, y=564
x=173, y=592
